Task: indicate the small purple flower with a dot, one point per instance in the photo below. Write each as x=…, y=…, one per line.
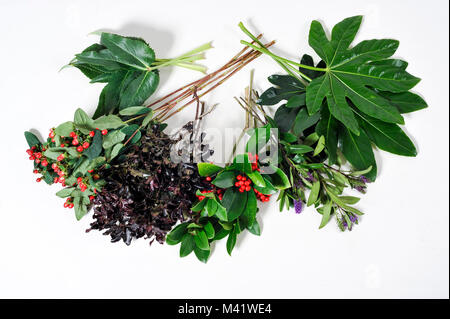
x=299, y=184
x=353, y=218
x=360, y=189
x=310, y=177
x=298, y=205
x=364, y=179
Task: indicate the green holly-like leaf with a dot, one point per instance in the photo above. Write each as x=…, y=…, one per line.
x=208, y=169
x=187, y=245
x=356, y=74
x=234, y=203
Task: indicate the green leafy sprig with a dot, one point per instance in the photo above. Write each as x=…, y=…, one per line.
x=75, y=150
x=129, y=68
x=228, y=208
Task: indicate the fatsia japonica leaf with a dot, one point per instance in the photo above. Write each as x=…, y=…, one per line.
x=405, y=102
x=387, y=136
x=356, y=74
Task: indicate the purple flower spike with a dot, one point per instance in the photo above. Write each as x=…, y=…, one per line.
x=364, y=179
x=310, y=177
x=353, y=218
x=360, y=189
x=298, y=205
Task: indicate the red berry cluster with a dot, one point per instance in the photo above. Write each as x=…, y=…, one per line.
x=60, y=167
x=254, y=161
x=243, y=183
x=262, y=197
x=216, y=190
x=68, y=203
x=76, y=141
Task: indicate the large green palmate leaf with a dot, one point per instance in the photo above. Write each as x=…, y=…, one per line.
x=387, y=136
x=356, y=74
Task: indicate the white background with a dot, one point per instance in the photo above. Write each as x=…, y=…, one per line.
x=399, y=250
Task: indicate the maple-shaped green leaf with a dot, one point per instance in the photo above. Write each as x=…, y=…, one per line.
x=356, y=74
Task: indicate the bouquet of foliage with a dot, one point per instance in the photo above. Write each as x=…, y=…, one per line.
x=321, y=121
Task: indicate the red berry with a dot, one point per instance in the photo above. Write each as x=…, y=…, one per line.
x=62, y=180
x=241, y=190
x=30, y=152
x=63, y=145
x=38, y=179
x=79, y=180
x=60, y=158
x=60, y=173
x=247, y=183
x=208, y=179
x=66, y=205
x=72, y=134
x=53, y=140
x=104, y=132
x=35, y=171
x=91, y=133
x=85, y=145
x=237, y=184
x=37, y=161
x=91, y=197
x=248, y=188
x=70, y=205
x=75, y=141
x=52, y=134
x=90, y=171
x=56, y=180
x=44, y=163
x=32, y=158
x=201, y=198
x=54, y=166
x=33, y=148
x=80, y=149
x=239, y=177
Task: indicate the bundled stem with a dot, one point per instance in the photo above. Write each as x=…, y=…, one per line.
x=204, y=85
x=172, y=103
